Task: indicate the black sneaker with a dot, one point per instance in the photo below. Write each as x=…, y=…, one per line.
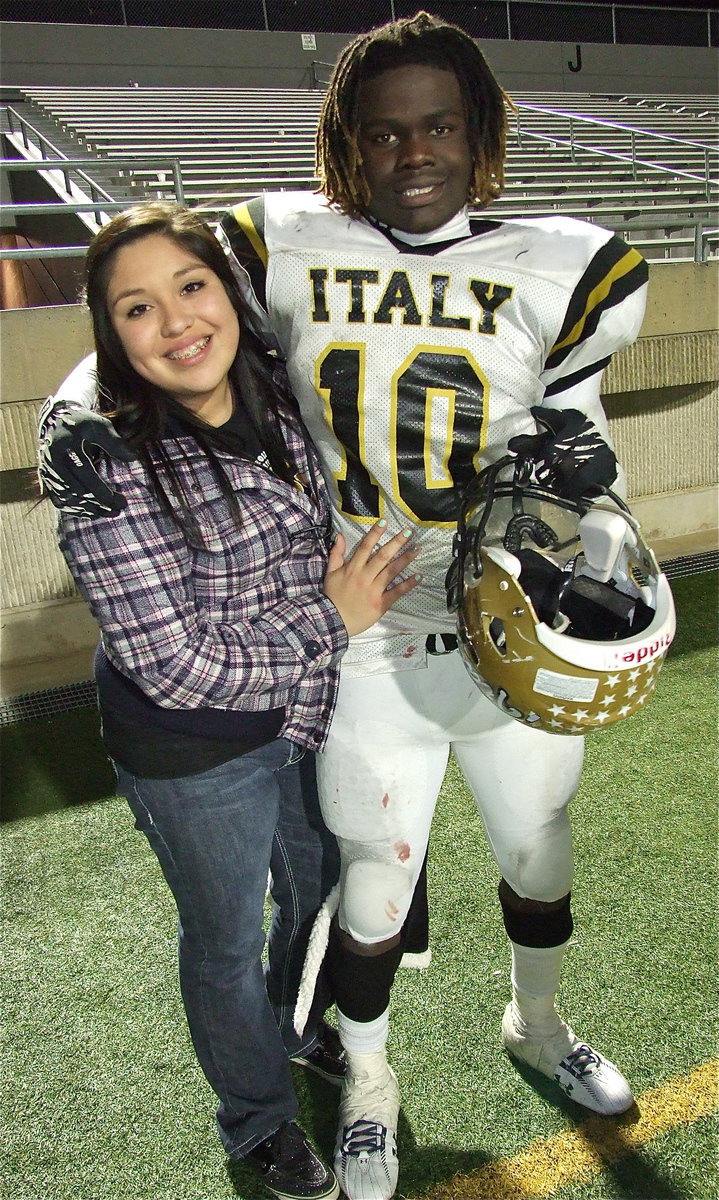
x=328, y=1057
x=290, y=1168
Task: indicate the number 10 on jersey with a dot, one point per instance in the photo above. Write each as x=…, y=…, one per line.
x=437, y=403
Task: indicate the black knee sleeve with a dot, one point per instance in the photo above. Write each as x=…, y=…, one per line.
x=361, y=983
x=539, y=930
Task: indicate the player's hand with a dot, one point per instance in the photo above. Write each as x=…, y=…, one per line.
x=363, y=587
x=65, y=466
x=569, y=454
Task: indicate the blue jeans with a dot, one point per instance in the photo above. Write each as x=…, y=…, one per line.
x=217, y=835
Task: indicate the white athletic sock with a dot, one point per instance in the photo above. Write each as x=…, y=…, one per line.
x=535, y=982
x=363, y=1037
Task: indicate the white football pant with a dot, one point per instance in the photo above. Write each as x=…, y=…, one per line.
x=382, y=769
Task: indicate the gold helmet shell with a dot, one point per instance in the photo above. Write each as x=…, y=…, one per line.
x=564, y=617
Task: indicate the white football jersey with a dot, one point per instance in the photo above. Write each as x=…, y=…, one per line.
x=414, y=365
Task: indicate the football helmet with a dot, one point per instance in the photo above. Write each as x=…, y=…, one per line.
x=563, y=615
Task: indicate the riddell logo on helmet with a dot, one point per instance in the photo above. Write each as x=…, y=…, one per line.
x=642, y=653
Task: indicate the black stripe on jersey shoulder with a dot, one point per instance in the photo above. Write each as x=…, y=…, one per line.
x=568, y=381
x=615, y=272
x=244, y=227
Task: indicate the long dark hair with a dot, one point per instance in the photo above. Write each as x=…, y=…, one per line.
x=427, y=41
x=139, y=409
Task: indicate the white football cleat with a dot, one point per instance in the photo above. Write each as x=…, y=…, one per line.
x=583, y=1074
x=366, y=1160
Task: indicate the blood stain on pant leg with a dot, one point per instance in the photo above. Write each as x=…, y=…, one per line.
x=403, y=851
x=385, y=800
x=391, y=910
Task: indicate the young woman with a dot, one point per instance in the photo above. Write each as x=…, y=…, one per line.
x=224, y=615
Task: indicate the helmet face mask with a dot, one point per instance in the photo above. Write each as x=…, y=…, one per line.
x=563, y=615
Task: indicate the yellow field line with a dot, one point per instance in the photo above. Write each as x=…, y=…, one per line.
x=548, y=1165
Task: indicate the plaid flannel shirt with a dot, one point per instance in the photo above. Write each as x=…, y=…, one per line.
x=242, y=622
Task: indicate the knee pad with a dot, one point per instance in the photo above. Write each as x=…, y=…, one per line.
x=540, y=864
x=375, y=899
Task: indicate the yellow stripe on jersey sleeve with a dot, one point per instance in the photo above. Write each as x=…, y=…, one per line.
x=241, y=215
x=598, y=294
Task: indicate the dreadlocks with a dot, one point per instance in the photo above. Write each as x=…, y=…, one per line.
x=425, y=40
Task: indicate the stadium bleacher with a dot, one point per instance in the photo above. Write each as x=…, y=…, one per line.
x=647, y=166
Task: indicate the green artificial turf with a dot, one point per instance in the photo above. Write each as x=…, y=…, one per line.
x=104, y=1099
x=53, y=763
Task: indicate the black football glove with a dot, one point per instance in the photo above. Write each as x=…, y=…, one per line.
x=570, y=455
x=65, y=466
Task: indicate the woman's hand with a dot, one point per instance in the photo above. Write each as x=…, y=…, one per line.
x=361, y=587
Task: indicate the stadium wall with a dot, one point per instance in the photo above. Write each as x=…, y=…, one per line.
x=54, y=55
x=661, y=395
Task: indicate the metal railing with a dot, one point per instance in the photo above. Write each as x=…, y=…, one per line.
x=704, y=238
x=68, y=177
x=316, y=80
x=573, y=144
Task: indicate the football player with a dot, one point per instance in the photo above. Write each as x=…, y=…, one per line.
x=420, y=340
